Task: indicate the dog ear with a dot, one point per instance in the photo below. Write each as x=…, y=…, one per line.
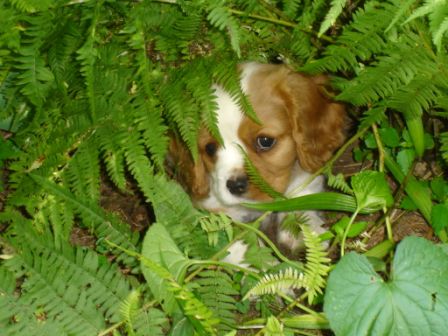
x=190, y=174
x=318, y=123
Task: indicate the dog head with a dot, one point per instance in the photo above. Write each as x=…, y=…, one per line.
x=300, y=127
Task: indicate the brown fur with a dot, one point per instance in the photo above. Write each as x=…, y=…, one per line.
x=295, y=110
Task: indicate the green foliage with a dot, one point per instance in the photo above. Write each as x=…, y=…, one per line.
x=358, y=300
x=91, y=93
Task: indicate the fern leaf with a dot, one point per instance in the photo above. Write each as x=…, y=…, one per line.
x=88, y=55
x=220, y=17
x=213, y=224
x=444, y=145
x=83, y=171
x=390, y=72
x=338, y=182
x=317, y=264
x=372, y=116
x=257, y=179
x=403, y=9
x=104, y=225
x=274, y=283
x=32, y=6
x=226, y=75
x=418, y=96
x=291, y=7
x=217, y=293
x=150, y=123
x=335, y=10
x=35, y=77
x=109, y=139
x=158, y=249
x=129, y=308
x=69, y=287
x=139, y=164
x=150, y=322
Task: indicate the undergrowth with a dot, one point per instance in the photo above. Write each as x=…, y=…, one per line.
x=91, y=91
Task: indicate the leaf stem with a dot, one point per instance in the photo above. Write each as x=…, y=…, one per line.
x=346, y=231
x=269, y=243
x=381, y=169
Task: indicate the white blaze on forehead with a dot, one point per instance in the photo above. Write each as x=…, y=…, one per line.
x=247, y=70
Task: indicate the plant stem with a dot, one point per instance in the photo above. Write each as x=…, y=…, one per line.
x=347, y=229
x=381, y=169
x=269, y=243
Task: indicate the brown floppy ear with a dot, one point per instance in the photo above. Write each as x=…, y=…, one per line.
x=191, y=175
x=318, y=122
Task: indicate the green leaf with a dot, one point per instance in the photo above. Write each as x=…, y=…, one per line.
x=336, y=9
x=390, y=137
x=355, y=229
x=319, y=201
x=439, y=188
x=160, y=248
x=405, y=157
x=371, y=190
x=413, y=302
x=439, y=217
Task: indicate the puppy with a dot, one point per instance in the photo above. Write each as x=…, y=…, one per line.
x=300, y=127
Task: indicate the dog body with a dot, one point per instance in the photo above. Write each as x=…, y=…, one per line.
x=298, y=130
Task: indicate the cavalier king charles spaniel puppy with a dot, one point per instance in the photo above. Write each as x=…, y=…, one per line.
x=300, y=127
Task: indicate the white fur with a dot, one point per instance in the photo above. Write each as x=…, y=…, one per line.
x=230, y=161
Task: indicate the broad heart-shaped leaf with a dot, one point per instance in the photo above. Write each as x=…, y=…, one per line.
x=414, y=302
x=160, y=248
x=371, y=190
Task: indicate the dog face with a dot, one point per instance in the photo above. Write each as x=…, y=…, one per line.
x=299, y=129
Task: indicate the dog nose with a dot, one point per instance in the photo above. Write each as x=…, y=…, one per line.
x=238, y=185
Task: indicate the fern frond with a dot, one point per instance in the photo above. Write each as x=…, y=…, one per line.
x=216, y=291
x=150, y=322
x=139, y=164
x=32, y=6
x=83, y=171
x=140, y=321
x=338, y=182
x=198, y=314
x=226, y=75
x=418, y=96
x=109, y=138
x=173, y=207
x=275, y=283
x=129, y=309
x=390, y=73
x=35, y=77
x=182, y=112
x=87, y=56
x=372, y=116
x=290, y=8
x=293, y=221
x=335, y=10
x=220, y=17
x=89, y=290
x=154, y=132
x=56, y=215
x=444, y=146
x=213, y=224
x=359, y=40
x=437, y=12
x=104, y=225
x=317, y=264
x=257, y=179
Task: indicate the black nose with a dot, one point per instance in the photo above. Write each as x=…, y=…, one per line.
x=237, y=185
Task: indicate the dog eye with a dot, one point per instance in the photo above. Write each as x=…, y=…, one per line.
x=265, y=143
x=211, y=149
